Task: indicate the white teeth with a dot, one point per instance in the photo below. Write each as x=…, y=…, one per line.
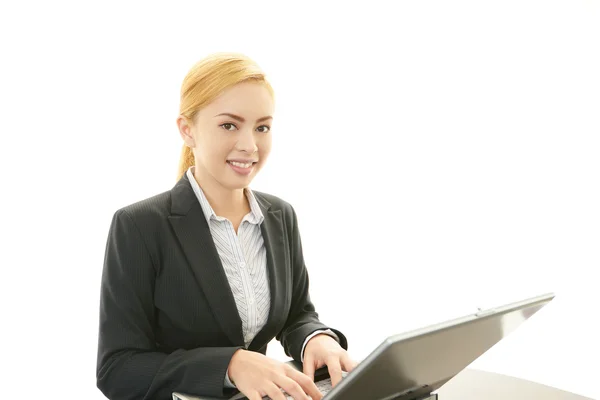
x=237, y=164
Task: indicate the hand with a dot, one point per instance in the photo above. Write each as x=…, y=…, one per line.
x=256, y=375
x=322, y=350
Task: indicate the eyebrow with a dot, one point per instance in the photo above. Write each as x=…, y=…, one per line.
x=242, y=119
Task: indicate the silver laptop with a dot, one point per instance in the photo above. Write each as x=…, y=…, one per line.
x=413, y=365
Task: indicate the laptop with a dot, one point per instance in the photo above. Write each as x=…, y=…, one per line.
x=413, y=365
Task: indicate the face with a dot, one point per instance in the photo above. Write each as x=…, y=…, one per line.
x=231, y=137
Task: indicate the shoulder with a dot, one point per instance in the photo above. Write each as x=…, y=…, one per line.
x=146, y=211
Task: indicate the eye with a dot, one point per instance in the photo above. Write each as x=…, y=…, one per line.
x=265, y=126
x=227, y=124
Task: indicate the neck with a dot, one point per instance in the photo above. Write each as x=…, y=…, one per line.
x=225, y=202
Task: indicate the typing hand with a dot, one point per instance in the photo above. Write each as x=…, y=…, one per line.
x=256, y=375
x=324, y=350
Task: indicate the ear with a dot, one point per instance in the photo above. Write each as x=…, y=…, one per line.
x=185, y=131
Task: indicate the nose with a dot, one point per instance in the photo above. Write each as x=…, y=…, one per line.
x=247, y=142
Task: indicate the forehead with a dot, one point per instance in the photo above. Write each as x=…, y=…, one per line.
x=245, y=97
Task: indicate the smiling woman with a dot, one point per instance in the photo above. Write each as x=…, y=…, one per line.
x=198, y=280
x=228, y=148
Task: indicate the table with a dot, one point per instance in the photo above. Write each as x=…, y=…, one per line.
x=472, y=384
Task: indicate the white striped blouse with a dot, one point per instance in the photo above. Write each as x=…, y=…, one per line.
x=243, y=256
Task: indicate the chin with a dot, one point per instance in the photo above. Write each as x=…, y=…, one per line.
x=236, y=183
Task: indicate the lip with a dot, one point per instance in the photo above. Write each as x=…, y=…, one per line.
x=242, y=171
x=243, y=161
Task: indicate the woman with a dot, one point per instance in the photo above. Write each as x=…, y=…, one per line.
x=199, y=279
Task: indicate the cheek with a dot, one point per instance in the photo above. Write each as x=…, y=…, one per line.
x=264, y=147
x=214, y=151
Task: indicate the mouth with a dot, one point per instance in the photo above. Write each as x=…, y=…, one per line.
x=242, y=168
x=241, y=164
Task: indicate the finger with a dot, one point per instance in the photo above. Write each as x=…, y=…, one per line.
x=347, y=363
x=309, y=367
x=274, y=392
x=254, y=395
x=292, y=388
x=335, y=370
x=307, y=385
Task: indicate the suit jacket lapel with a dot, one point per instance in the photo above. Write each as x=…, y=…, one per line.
x=278, y=273
x=193, y=232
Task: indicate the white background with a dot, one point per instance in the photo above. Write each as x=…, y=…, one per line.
x=440, y=156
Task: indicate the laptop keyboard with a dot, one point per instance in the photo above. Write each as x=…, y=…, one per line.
x=323, y=385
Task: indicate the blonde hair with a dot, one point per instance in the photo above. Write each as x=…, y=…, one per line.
x=205, y=81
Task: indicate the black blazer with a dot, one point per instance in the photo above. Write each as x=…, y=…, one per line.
x=168, y=318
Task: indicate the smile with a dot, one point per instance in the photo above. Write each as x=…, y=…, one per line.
x=240, y=168
x=241, y=165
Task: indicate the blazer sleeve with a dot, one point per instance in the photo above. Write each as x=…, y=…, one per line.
x=128, y=364
x=302, y=319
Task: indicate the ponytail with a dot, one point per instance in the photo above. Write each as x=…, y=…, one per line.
x=186, y=161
